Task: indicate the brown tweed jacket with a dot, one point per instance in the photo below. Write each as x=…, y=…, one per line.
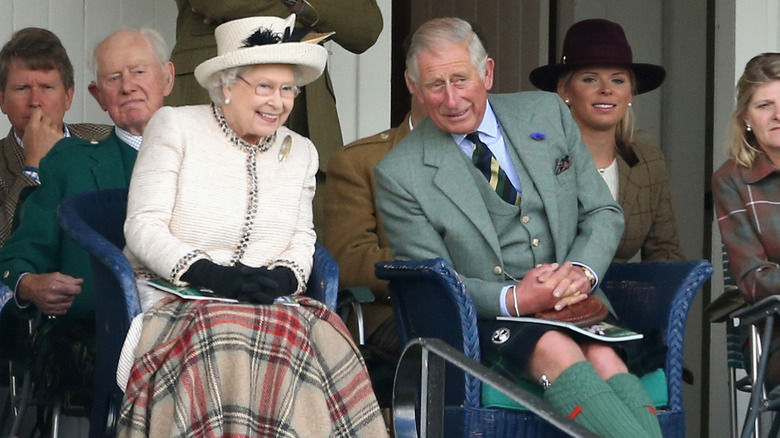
x=13, y=181
x=353, y=232
x=644, y=195
x=357, y=24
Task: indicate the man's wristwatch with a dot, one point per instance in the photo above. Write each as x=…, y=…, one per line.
x=589, y=275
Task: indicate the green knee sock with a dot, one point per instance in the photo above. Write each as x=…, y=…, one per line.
x=629, y=389
x=581, y=394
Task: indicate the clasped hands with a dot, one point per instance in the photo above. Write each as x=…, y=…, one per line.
x=244, y=283
x=550, y=286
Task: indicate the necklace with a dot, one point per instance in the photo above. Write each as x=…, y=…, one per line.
x=262, y=146
x=602, y=170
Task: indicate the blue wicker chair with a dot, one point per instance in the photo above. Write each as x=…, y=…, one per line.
x=430, y=301
x=95, y=221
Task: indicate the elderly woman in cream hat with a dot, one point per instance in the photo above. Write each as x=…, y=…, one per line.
x=221, y=198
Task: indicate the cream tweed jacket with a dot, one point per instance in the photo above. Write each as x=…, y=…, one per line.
x=196, y=194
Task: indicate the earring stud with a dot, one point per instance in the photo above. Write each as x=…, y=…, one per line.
x=227, y=101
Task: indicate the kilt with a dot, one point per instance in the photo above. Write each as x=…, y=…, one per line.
x=509, y=356
x=205, y=368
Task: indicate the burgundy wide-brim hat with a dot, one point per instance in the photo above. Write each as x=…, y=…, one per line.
x=597, y=42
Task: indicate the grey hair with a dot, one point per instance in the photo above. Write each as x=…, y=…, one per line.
x=439, y=30
x=223, y=79
x=156, y=40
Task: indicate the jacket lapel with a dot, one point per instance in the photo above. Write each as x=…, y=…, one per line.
x=105, y=168
x=537, y=156
x=441, y=152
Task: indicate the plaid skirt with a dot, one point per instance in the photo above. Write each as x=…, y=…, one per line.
x=206, y=369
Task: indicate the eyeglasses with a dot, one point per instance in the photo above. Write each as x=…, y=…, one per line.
x=265, y=89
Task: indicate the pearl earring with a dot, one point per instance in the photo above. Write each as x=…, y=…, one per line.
x=567, y=101
x=749, y=129
x=629, y=104
x=227, y=101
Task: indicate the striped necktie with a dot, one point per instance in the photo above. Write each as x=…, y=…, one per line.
x=490, y=169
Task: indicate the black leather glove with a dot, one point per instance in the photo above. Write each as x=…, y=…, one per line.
x=229, y=281
x=283, y=280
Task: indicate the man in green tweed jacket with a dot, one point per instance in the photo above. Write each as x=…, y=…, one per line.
x=36, y=89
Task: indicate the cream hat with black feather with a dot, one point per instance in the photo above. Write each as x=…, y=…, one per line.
x=264, y=40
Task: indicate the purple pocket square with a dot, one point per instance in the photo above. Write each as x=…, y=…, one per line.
x=562, y=164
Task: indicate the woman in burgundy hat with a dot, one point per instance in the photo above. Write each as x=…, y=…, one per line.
x=598, y=79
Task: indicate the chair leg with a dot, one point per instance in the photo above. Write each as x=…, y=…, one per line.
x=733, y=414
x=358, y=309
x=758, y=369
x=55, y=419
x=24, y=398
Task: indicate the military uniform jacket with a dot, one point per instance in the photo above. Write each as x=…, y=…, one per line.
x=357, y=24
x=353, y=232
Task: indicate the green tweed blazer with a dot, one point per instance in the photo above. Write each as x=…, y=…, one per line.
x=39, y=245
x=431, y=208
x=357, y=24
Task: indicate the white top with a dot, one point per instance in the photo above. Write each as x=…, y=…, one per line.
x=612, y=178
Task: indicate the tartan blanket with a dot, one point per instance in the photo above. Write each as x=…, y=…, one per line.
x=208, y=369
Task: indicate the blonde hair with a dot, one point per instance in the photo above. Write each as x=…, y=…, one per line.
x=742, y=145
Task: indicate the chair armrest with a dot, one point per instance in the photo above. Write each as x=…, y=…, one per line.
x=657, y=296
x=430, y=301
x=102, y=249
x=323, y=284
x=730, y=300
x=6, y=296
x=757, y=312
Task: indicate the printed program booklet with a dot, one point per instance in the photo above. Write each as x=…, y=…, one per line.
x=191, y=293
x=187, y=293
x=602, y=331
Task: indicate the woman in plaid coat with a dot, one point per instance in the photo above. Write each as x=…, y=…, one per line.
x=746, y=188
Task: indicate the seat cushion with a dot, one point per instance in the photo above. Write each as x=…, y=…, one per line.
x=654, y=383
